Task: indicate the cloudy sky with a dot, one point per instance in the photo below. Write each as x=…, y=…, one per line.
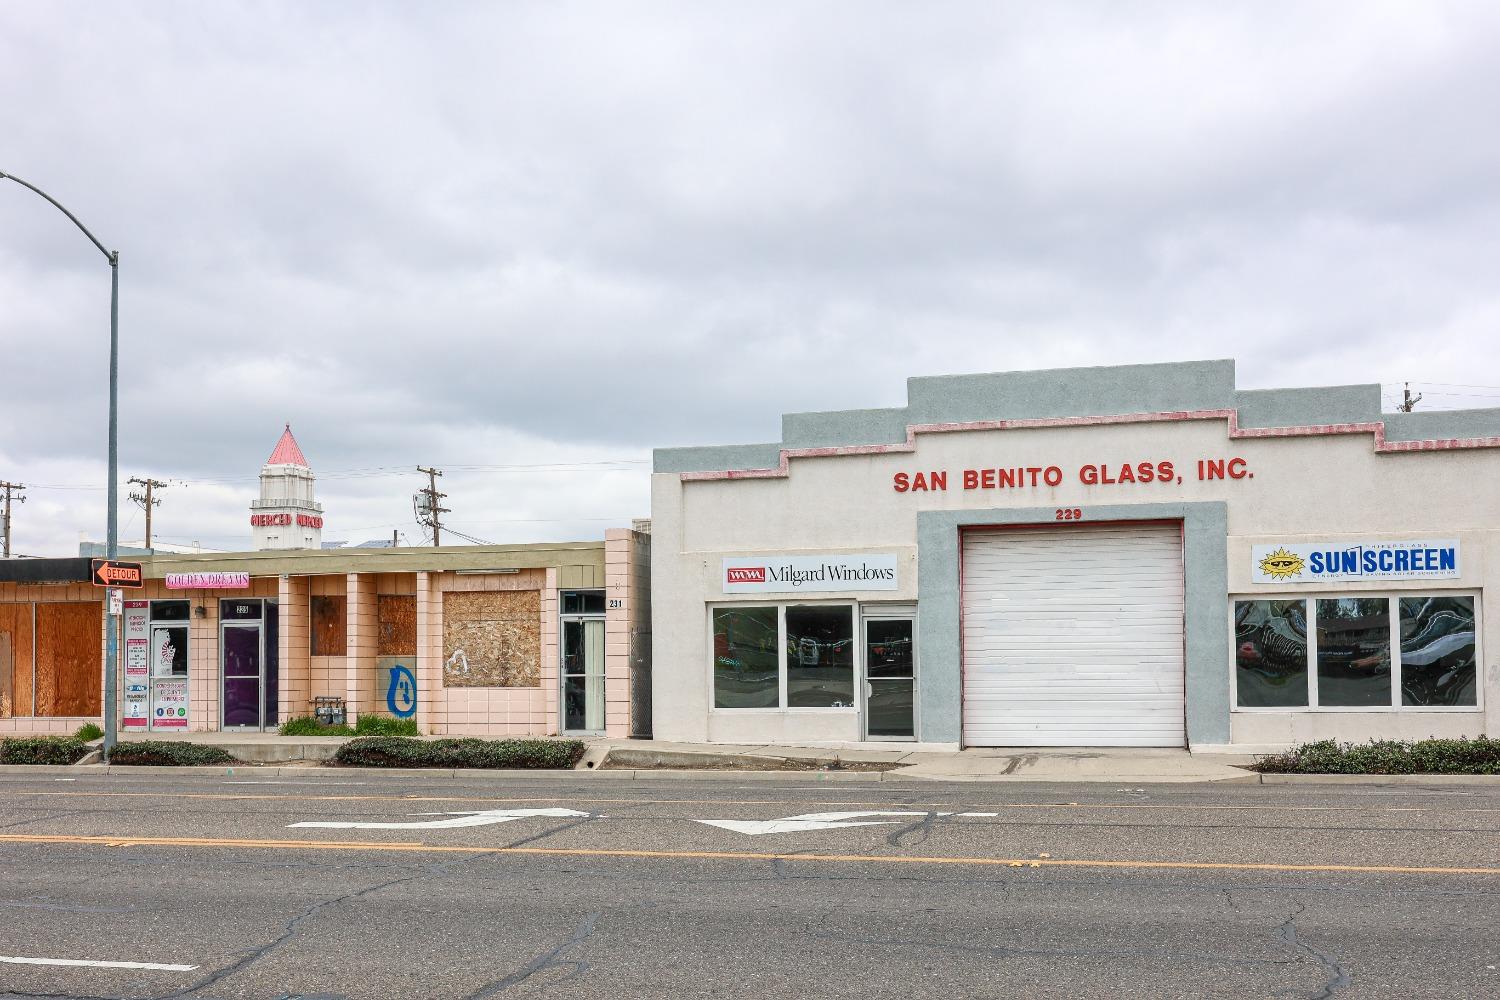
x=527, y=242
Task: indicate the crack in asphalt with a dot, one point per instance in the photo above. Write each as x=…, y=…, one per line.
x=548, y=833
x=288, y=932
x=922, y=826
x=547, y=960
x=1338, y=976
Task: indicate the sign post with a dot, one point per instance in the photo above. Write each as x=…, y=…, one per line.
x=113, y=574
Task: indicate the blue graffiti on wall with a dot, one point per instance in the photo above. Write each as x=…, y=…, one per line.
x=401, y=696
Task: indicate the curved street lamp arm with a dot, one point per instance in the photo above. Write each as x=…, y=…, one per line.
x=111, y=255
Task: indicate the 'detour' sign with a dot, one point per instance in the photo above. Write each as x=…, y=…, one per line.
x=783, y=574
x=1338, y=562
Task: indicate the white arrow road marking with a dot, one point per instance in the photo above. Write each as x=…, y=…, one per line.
x=807, y=821
x=485, y=817
x=14, y=960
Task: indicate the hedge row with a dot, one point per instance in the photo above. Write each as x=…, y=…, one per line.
x=43, y=750
x=160, y=753
x=396, y=751
x=1480, y=755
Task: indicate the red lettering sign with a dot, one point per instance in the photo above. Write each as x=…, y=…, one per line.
x=745, y=574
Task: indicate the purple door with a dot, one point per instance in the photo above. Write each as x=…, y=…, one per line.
x=242, y=691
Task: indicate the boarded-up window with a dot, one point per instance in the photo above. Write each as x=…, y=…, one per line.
x=492, y=638
x=396, y=614
x=68, y=644
x=328, y=631
x=15, y=682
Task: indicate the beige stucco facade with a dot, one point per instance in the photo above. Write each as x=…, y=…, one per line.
x=1325, y=482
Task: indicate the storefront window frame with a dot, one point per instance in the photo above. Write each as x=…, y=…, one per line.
x=1393, y=596
x=858, y=665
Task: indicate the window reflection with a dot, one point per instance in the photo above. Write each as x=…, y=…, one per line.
x=746, y=667
x=1354, y=651
x=1437, y=651
x=820, y=657
x=1270, y=658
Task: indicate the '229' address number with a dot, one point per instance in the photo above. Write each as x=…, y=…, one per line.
x=1069, y=514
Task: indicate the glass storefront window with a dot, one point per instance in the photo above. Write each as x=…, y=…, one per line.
x=1354, y=651
x=1437, y=651
x=170, y=611
x=1270, y=654
x=583, y=602
x=820, y=656
x=747, y=670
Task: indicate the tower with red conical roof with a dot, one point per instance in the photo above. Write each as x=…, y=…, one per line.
x=286, y=516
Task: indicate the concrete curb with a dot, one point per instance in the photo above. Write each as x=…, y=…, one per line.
x=332, y=774
x=1379, y=779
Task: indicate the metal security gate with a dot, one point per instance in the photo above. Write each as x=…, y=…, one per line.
x=1073, y=636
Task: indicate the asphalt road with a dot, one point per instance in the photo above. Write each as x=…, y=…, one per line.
x=587, y=886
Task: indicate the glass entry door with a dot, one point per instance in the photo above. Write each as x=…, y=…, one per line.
x=248, y=645
x=890, y=678
x=583, y=675
x=242, y=666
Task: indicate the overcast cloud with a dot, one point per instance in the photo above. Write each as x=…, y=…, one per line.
x=501, y=235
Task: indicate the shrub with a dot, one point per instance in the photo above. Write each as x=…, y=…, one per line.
x=395, y=751
x=88, y=732
x=381, y=725
x=1480, y=755
x=160, y=753
x=43, y=750
x=306, y=725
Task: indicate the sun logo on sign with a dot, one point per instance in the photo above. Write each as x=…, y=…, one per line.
x=1281, y=565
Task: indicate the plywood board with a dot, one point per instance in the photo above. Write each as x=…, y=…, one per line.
x=396, y=615
x=68, y=659
x=329, y=630
x=492, y=638
x=15, y=621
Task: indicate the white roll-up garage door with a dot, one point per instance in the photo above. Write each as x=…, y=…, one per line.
x=1073, y=637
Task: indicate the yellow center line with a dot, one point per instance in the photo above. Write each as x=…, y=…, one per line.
x=330, y=845
x=967, y=806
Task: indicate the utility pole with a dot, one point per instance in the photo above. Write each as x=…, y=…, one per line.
x=1410, y=402
x=430, y=507
x=146, y=500
x=10, y=488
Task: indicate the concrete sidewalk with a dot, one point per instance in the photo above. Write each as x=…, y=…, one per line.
x=1097, y=764
x=1105, y=764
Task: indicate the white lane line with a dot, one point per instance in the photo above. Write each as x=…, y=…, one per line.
x=90, y=963
x=979, y=814
x=318, y=782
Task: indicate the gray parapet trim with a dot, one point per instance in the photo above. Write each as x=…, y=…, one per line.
x=1126, y=391
x=1206, y=624
x=1442, y=425
x=1071, y=392
x=1310, y=407
x=844, y=428
x=717, y=458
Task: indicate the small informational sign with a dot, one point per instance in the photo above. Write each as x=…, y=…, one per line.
x=1345, y=561
x=207, y=581
x=116, y=600
x=820, y=573
x=135, y=710
x=169, y=708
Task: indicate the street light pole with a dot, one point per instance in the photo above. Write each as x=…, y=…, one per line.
x=112, y=523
